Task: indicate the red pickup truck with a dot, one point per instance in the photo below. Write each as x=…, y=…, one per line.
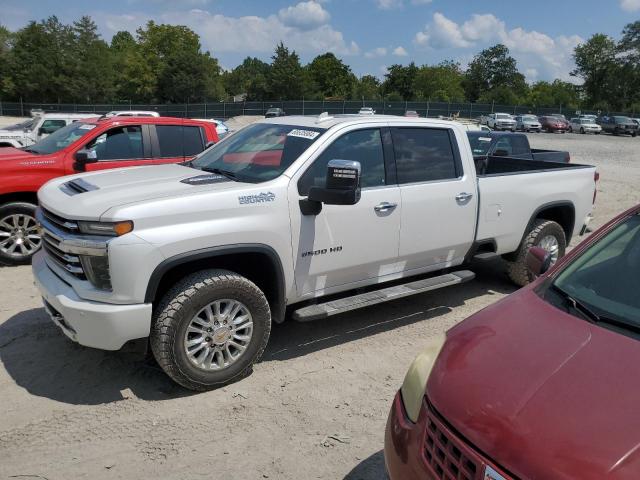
x=86, y=145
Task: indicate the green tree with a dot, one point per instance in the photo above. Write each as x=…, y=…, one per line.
x=493, y=76
x=330, y=76
x=596, y=65
x=287, y=79
x=442, y=82
x=366, y=87
x=6, y=83
x=551, y=94
x=399, y=82
x=250, y=77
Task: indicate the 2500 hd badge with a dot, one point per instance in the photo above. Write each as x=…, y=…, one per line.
x=323, y=251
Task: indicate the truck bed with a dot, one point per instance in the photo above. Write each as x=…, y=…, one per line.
x=496, y=166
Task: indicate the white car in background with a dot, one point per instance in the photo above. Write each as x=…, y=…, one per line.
x=366, y=111
x=222, y=129
x=501, y=121
x=584, y=125
x=132, y=113
x=30, y=131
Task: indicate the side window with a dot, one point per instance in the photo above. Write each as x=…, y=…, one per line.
x=364, y=146
x=193, y=141
x=170, y=140
x=50, y=126
x=120, y=143
x=423, y=154
x=520, y=146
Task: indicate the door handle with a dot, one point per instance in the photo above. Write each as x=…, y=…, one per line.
x=464, y=196
x=385, y=207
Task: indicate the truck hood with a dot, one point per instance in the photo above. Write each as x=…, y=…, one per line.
x=542, y=393
x=87, y=196
x=11, y=153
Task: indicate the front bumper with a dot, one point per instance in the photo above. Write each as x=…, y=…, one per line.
x=93, y=324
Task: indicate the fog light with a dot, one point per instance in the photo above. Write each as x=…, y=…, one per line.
x=96, y=270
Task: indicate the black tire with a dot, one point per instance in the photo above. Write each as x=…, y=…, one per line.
x=179, y=306
x=6, y=211
x=518, y=272
x=582, y=130
x=634, y=134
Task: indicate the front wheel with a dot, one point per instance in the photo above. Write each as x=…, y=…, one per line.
x=20, y=235
x=210, y=329
x=582, y=130
x=544, y=233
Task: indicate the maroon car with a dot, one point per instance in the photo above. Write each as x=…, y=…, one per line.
x=541, y=385
x=553, y=124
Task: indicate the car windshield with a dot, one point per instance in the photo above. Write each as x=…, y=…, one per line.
x=604, y=279
x=480, y=143
x=503, y=116
x=26, y=125
x=530, y=118
x=259, y=152
x=622, y=119
x=61, y=138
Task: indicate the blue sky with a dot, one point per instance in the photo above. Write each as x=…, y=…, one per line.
x=368, y=34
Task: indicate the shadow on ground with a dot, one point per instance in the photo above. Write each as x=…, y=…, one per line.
x=371, y=468
x=43, y=361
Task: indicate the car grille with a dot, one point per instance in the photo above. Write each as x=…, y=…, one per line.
x=68, y=226
x=70, y=263
x=448, y=456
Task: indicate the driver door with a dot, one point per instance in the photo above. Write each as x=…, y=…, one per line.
x=347, y=245
x=122, y=146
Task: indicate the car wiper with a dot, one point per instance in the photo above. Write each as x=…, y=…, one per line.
x=30, y=150
x=224, y=173
x=577, y=305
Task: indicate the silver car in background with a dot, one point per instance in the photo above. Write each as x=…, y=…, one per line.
x=528, y=123
x=584, y=125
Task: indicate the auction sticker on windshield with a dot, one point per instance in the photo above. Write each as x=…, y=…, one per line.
x=87, y=126
x=310, y=134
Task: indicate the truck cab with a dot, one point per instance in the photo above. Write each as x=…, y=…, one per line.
x=35, y=129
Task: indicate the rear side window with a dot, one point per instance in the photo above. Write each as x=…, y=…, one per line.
x=179, y=141
x=423, y=154
x=520, y=145
x=364, y=146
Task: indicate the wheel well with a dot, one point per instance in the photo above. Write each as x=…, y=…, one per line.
x=31, y=197
x=564, y=215
x=260, y=267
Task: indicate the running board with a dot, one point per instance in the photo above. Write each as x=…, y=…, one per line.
x=334, y=307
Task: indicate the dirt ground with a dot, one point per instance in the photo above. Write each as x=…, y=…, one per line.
x=315, y=407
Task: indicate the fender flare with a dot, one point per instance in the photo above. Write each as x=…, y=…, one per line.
x=279, y=302
x=559, y=203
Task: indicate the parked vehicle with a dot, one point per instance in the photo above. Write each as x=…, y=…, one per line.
x=366, y=111
x=584, y=125
x=30, y=131
x=534, y=386
x=411, y=113
x=132, y=113
x=553, y=124
x=589, y=117
x=618, y=125
x=528, y=123
x=472, y=126
x=221, y=126
x=501, y=121
x=86, y=145
x=274, y=112
x=203, y=257
x=515, y=145
x=636, y=121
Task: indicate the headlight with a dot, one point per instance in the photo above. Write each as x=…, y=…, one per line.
x=112, y=229
x=96, y=270
x=415, y=381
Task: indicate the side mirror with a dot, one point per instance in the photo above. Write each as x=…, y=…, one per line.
x=538, y=261
x=343, y=184
x=83, y=157
x=209, y=145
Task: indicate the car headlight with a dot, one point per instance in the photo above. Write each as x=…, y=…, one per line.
x=112, y=229
x=415, y=381
x=96, y=270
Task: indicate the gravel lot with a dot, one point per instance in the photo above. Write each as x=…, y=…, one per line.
x=314, y=408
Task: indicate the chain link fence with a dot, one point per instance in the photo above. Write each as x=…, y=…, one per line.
x=226, y=110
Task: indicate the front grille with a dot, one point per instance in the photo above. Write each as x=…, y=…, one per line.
x=70, y=263
x=69, y=226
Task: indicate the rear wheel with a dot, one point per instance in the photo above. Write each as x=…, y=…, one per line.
x=546, y=234
x=20, y=235
x=582, y=130
x=210, y=329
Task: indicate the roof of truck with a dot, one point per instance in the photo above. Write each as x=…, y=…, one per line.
x=328, y=121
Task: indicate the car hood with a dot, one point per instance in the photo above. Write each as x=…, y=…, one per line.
x=542, y=393
x=89, y=195
x=11, y=153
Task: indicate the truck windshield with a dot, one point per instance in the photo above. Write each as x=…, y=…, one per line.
x=61, y=138
x=480, y=143
x=604, y=280
x=503, y=116
x=26, y=125
x=259, y=152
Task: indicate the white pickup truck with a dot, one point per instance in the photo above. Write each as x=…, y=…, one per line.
x=30, y=131
x=200, y=258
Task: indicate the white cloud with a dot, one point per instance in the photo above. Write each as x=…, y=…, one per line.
x=299, y=30
x=376, y=52
x=400, y=52
x=304, y=15
x=389, y=4
x=537, y=53
x=421, y=2
x=630, y=5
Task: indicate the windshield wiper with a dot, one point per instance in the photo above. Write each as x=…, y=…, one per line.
x=224, y=173
x=30, y=150
x=577, y=305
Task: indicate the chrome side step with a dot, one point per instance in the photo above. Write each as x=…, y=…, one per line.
x=334, y=307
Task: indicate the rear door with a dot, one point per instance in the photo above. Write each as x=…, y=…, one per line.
x=121, y=146
x=439, y=202
x=176, y=143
